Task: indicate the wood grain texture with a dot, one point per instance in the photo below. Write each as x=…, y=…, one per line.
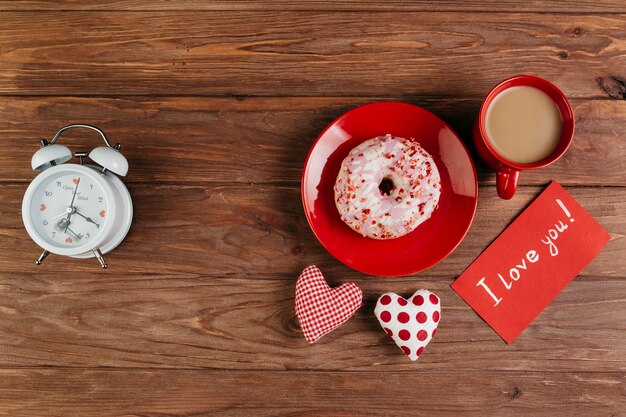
x=250, y=230
x=306, y=53
x=206, y=279
x=110, y=393
x=195, y=321
x=557, y=6
x=216, y=104
x=265, y=140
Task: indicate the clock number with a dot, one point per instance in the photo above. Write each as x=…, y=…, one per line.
x=48, y=193
x=91, y=186
x=99, y=199
x=87, y=236
x=58, y=183
x=45, y=222
x=54, y=234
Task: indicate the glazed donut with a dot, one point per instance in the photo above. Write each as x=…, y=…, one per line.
x=386, y=187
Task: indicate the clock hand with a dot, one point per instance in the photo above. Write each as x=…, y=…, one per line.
x=60, y=215
x=74, y=233
x=63, y=224
x=88, y=219
x=71, y=208
x=74, y=195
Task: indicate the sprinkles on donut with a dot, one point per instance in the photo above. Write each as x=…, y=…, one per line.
x=386, y=187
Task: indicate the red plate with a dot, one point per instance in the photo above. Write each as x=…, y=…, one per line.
x=434, y=239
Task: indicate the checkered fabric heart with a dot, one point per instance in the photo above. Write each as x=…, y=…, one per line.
x=321, y=309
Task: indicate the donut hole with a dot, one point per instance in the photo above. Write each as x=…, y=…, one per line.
x=386, y=186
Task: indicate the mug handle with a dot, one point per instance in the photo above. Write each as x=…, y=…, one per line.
x=506, y=182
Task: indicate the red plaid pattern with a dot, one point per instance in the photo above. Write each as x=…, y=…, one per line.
x=321, y=309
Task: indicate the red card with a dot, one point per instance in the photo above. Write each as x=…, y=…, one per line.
x=527, y=266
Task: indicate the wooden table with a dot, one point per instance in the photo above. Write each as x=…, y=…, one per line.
x=216, y=104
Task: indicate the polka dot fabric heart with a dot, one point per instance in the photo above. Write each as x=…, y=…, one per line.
x=411, y=323
x=321, y=309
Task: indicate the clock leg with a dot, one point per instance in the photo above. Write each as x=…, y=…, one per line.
x=42, y=257
x=100, y=258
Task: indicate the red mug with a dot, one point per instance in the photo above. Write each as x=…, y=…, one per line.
x=507, y=172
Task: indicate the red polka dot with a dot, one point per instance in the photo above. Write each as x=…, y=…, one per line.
x=434, y=332
x=421, y=317
x=406, y=350
x=418, y=300
x=385, y=316
x=436, y=316
x=422, y=335
x=434, y=299
x=401, y=301
x=403, y=317
x=389, y=332
x=404, y=334
x=385, y=300
x=419, y=351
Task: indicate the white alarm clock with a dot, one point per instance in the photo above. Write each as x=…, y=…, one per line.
x=77, y=210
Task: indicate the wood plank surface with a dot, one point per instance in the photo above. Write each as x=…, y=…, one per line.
x=307, y=53
x=250, y=230
x=208, y=282
x=555, y=6
x=24, y=392
x=200, y=139
x=216, y=104
x=195, y=321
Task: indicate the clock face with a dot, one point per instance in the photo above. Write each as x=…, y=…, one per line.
x=69, y=208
